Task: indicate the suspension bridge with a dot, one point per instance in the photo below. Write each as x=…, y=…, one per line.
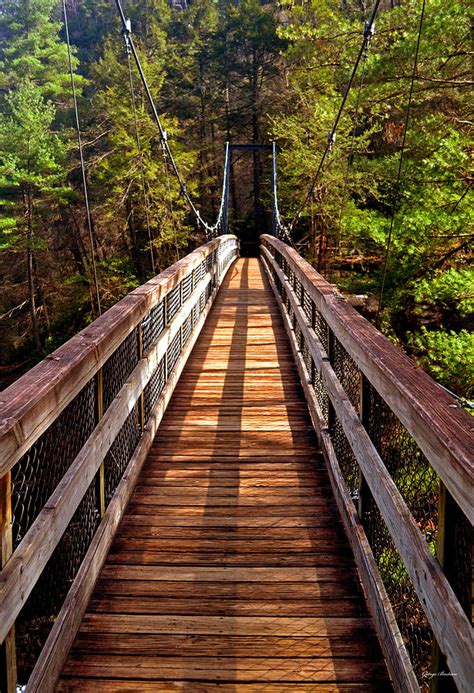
x=232, y=480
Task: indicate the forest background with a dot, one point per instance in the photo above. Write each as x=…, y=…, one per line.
x=239, y=71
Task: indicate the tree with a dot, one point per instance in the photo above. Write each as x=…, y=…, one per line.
x=31, y=179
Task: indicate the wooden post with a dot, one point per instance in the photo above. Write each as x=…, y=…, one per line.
x=364, y=414
x=331, y=412
x=440, y=682
x=141, y=401
x=7, y=649
x=100, y=414
x=165, y=310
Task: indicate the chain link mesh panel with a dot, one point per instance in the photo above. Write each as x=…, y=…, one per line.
x=345, y=457
x=347, y=373
x=38, y=472
x=154, y=388
x=120, y=453
x=458, y=561
x=153, y=325
x=414, y=627
x=186, y=329
x=173, y=303
x=186, y=287
x=418, y=483
x=37, y=617
x=118, y=367
x=172, y=353
x=413, y=475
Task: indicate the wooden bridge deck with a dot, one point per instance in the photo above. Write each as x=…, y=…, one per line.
x=230, y=567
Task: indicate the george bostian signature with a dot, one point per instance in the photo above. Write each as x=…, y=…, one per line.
x=435, y=674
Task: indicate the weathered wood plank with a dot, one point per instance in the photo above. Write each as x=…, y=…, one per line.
x=221, y=590
x=230, y=645
x=92, y=685
x=230, y=625
x=245, y=669
x=226, y=607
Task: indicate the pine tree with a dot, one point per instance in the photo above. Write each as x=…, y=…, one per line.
x=35, y=85
x=31, y=179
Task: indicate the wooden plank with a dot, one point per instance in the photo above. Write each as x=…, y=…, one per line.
x=334, y=591
x=226, y=607
x=303, y=519
x=245, y=669
x=267, y=574
x=250, y=559
x=231, y=534
x=92, y=685
x=245, y=546
x=229, y=645
x=230, y=625
x=8, y=647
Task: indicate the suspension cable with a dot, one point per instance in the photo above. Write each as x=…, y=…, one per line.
x=81, y=156
x=396, y=196
x=332, y=134
x=127, y=33
x=140, y=158
x=170, y=200
x=278, y=227
x=351, y=151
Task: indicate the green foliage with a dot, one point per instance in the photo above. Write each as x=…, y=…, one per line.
x=348, y=222
x=241, y=71
x=452, y=290
x=448, y=356
x=31, y=49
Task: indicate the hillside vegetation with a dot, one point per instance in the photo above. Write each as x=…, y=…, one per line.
x=240, y=71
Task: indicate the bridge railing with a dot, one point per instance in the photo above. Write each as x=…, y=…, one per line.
x=397, y=448
x=74, y=432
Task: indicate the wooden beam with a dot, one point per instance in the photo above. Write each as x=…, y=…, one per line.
x=34, y=401
x=54, y=654
x=7, y=648
x=444, y=433
x=450, y=625
x=390, y=638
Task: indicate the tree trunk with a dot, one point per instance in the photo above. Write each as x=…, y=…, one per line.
x=30, y=269
x=255, y=140
x=41, y=298
x=233, y=192
x=135, y=251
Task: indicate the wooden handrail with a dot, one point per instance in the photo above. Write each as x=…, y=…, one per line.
x=385, y=367
x=440, y=426
x=31, y=404
x=34, y=402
